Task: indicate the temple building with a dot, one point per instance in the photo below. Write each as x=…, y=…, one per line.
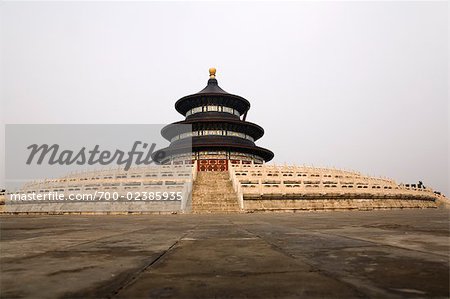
x=218, y=131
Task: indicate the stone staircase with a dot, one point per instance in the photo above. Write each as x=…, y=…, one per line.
x=213, y=193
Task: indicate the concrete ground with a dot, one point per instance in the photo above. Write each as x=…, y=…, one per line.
x=382, y=254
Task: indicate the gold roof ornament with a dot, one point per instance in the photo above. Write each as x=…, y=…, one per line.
x=212, y=73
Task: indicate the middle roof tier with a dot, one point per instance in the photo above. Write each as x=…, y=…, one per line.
x=213, y=123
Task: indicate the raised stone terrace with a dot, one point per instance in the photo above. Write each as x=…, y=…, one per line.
x=242, y=188
x=262, y=187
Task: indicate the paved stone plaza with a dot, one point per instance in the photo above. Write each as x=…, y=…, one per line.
x=392, y=253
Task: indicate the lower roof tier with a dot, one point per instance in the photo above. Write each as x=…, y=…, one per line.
x=177, y=149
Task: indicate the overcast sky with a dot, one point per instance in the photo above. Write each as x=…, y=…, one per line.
x=354, y=85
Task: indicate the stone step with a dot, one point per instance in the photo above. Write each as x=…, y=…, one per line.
x=213, y=193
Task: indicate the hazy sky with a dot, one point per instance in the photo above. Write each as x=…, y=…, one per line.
x=354, y=85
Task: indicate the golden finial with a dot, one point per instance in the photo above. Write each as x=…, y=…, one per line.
x=212, y=73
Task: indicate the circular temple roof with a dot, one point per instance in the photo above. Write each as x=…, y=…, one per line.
x=212, y=94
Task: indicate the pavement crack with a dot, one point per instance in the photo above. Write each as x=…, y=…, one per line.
x=313, y=268
x=138, y=273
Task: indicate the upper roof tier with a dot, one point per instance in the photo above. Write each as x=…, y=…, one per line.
x=212, y=94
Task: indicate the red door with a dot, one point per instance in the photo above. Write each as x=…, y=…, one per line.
x=212, y=165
